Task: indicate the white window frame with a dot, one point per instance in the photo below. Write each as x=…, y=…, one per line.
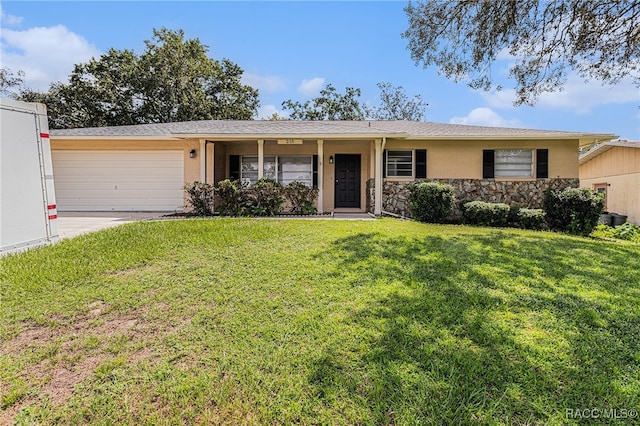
x=516, y=167
x=413, y=163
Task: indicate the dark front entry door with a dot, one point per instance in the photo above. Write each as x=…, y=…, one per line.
x=347, y=180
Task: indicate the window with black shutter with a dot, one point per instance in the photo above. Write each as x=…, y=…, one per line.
x=488, y=161
x=384, y=163
x=421, y=163
x=542, y=163
x=315, y=171
x=234, y=167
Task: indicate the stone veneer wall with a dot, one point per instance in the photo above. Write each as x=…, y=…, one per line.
x=395, y=196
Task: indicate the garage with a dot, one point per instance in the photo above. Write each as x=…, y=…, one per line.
x=118, y=180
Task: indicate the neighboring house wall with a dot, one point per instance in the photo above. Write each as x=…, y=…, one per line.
x=619, y=169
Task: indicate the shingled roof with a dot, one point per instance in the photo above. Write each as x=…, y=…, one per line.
x=267, y=129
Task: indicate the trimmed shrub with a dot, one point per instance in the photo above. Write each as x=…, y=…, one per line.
x=301, y=197
x=573, y=210
x=531, y=218
x=486, y=214
x=626, y=231
x=200, y=197
x=430, y=201
x=233, y=197
x=513, y=218
x=267, y=198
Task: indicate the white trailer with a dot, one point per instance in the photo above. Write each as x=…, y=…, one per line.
x=28, y=215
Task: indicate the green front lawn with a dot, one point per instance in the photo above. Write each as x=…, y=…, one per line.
x=319, y=322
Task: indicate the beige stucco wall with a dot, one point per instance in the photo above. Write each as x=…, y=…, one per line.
x=619, y=169
x=462, y=159
x=363, y=148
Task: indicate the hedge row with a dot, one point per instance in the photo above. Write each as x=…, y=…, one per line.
x=572, y=210
x=266, y=198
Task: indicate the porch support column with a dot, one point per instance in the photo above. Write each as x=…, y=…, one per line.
x=320, y=176
x=203, y=160
x=260, y=158
x=379, y=147
x=213, y=161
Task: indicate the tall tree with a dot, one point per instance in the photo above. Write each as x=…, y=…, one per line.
x=396, y=105
x=330, y=105
x=547, y=39
x=11, y=83
x=173, y=80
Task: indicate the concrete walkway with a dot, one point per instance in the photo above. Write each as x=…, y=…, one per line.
x=71, y=224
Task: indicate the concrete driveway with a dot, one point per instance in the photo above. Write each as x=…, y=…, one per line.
x=71, y=224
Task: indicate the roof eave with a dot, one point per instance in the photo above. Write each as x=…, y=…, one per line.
x=305, y=136
x=114, y=137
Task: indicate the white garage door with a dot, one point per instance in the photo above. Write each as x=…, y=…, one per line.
x=118, y=180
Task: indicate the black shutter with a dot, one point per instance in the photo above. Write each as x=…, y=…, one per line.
x=315, y=171
x=487, y=164
x=234, y=167
x=421, y=163
x=384, y=163
x=542, y=163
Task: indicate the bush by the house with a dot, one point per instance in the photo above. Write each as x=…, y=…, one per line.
x=200, y=197
x=486, y=214
x=301, y=197
x=267, y=198
x=431, y=201
x=233, y=198
x=626, y=231
x=531, y=218
x=513, y=218
x=573, y=210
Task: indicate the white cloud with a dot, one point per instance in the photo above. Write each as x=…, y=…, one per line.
x=9, y=20
x=266, y=83
x=45, y=54
x=577, y=95
x=311, y=87
x=484, y=116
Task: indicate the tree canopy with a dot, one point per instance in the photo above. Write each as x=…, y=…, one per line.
x=11, y=84
x=172, y=80
x=396, y=105
x=331, y=105
x=546, y=39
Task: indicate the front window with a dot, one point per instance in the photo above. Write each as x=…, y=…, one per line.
x=281, y=169
x=399, y=163
x=513, y=163
x=291, y=169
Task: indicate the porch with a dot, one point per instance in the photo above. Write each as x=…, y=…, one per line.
x=339, y=169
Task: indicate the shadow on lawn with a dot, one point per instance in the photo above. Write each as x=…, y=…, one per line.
x=488, y=328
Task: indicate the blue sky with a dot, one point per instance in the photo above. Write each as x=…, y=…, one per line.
x=291, y=49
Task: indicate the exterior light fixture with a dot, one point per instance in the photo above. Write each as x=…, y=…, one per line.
x=192, y=153
x=331, y=159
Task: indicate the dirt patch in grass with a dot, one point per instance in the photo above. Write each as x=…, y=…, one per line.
x=60, y=357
